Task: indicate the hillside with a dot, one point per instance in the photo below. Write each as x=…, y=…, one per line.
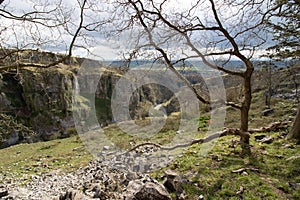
x=49, y=169
x=50, y=159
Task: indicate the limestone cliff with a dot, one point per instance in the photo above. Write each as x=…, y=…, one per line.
x=39, y=98
x=42, y=98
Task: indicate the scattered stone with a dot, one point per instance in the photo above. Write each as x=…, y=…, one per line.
x=170, y=173
x=241, y=170
x=279, y=156
x=73, y=195
x=3, y=192
x=288, y=146
x=95, y=181
x=173, y=182
x=183, y=196
x=200, y=197
x=241, y=190
x=267, y=112
x=295, y=186
x=244, y=173
x=78, y=148
x=267, y=140
x=105, y=148
x=259, y=137
x=100, y=194
x=214, y=157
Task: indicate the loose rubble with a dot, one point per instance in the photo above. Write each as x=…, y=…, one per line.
x=95, y=181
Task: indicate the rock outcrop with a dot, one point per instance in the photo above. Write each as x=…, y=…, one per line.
x=42, y=98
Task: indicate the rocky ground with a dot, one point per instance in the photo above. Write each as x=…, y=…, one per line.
x=95, y=181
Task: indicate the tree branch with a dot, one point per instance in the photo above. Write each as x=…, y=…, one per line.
x=275, y=126
x=209, y=138
x=226, y=132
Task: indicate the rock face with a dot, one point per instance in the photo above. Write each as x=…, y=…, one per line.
x=47, y=96
x=42, y=98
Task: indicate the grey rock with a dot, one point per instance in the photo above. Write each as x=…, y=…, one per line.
x=97, y=181
x=137, y=190
x=3, y=192
x=267, y=140
x=294, y=185
x=106, y=148
x=267, y=112
x=183, y=196
x=173, y=182
x=73, y=195
x=288, y=146
x=259, y=137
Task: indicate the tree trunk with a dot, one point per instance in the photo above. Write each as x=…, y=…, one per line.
x=245, y=136
x=295, y=131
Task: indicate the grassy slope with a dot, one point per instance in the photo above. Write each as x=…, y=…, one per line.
x=210, y=176
x=64, y=154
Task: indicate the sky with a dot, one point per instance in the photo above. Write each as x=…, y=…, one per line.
x=111, y=49
x=20, y=33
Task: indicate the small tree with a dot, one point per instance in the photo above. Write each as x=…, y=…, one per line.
x=266, y=77
x=207, y=30
x=286, y=30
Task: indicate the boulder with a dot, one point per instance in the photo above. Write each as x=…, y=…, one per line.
x=73, y=195
x=138, y=190
x=173, y=182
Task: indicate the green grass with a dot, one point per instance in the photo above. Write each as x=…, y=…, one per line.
x=64, y=155
x=212, y=175
x=203, y=122
x=282, y=112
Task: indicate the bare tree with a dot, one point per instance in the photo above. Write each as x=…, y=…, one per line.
x=266, y=76
x=215, y=32
x=285, y=27
x=44, y=25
